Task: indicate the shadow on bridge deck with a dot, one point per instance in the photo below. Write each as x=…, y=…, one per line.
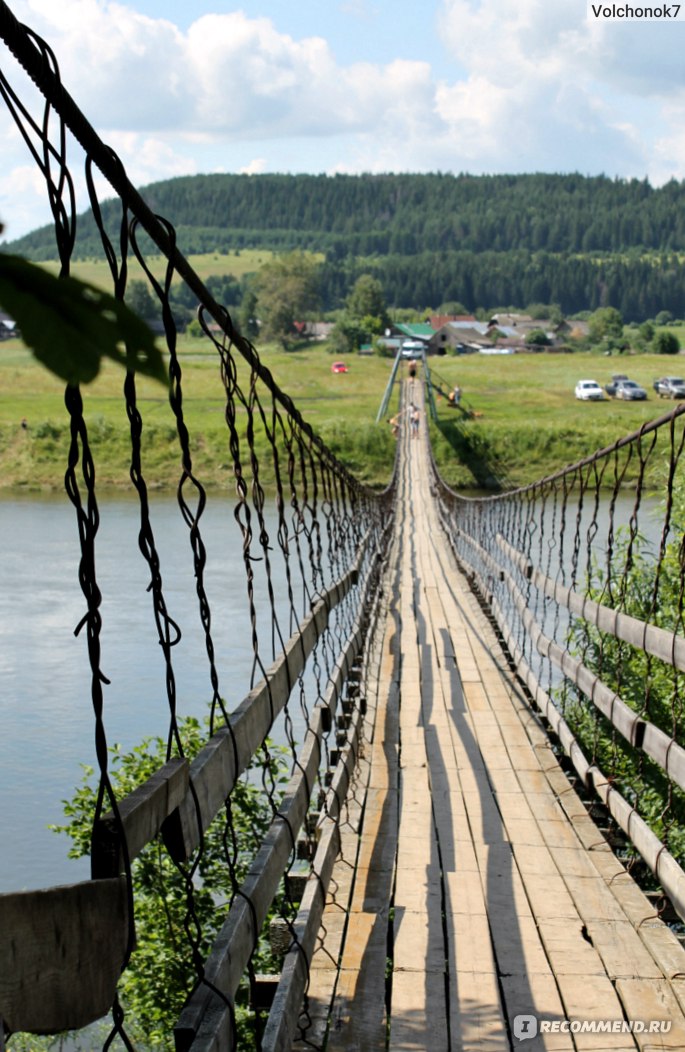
x=480, y=890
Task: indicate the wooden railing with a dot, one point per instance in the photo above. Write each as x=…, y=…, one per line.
x=564, y=589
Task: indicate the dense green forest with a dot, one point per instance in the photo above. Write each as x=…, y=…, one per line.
x=582, y=242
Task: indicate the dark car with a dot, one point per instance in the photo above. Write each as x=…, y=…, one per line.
x=610, y=388
x=629, y=391
x=670, y=387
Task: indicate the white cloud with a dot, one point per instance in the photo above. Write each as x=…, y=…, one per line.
x=229, y=74
x=23, y=200
x=149, y=156
x=543, y=87
x=533, y=86
x=256, y=166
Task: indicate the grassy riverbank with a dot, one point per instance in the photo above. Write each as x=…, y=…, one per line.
x=527, y=421
x=341, y=408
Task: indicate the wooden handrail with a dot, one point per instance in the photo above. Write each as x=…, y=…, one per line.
x=640, y=733
x=669, y=874
x=206, y=1018
x=141, y=815
x=174, y=796
x=667, y=646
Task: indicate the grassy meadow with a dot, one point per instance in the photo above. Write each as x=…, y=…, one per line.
x=526, y=421
x=236, y=264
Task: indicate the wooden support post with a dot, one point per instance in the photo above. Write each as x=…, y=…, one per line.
x=263, y=991
x=280, y=937
x=295, y=884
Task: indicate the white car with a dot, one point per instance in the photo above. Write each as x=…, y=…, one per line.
x=589, y=391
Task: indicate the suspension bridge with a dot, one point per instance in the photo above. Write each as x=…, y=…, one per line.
x=479, y=841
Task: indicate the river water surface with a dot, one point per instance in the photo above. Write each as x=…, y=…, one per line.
x=46, y=715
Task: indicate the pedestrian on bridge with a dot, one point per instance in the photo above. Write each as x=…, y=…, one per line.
x=414, y=417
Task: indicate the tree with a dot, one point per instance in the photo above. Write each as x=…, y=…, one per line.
x=665, y=342
x=347, y=336
x=605, y=323
x=246, y=318
x=194, y=329
x=140, y=301
x=452, y=307
x=367, y=301
x=288, y=291
x=545, y=311
x=538, y=338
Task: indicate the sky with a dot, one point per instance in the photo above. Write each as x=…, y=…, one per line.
x=180, y=87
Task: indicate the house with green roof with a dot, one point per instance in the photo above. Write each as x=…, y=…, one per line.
x=414, y=331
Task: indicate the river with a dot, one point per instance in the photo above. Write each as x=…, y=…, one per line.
x=46, y=716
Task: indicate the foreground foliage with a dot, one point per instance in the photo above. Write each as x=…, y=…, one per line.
x=70, y=326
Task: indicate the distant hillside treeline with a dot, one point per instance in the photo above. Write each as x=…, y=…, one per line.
x=579, y=241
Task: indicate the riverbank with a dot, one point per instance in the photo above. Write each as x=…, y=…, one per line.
x=523, y=421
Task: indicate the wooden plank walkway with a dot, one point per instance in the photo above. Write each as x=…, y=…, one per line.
x=473, y=886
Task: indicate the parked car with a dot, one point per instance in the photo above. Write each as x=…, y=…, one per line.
x=617, y=378
x=670, y=387
x=413, y=349
x=338, y=367
x=589, y=391
x=630, y=391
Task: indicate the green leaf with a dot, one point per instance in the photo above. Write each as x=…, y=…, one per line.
x=70, y=326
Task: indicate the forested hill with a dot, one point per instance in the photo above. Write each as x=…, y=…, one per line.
x=484, y=241
x=345, y=215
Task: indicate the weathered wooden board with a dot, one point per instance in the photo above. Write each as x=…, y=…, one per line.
x=419, y=1013
x=651, y=1000
x=476, y=1019
x=214, y=771
x=141, y=815
x=235, y=942
x=282, y=1021
x=61, y=954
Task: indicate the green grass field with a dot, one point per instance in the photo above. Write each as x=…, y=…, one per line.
x=531, y=423
x=246, y=261
x=527, y=422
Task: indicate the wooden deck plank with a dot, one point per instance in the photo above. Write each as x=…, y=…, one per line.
x=594, y=1000
x=651, y=1000
x=507, y=899
x=476, y=1020
x=419, y=1013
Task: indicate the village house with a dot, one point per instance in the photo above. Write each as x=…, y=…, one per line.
x=469, y=337
x=314, y=330
x=436, y=321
